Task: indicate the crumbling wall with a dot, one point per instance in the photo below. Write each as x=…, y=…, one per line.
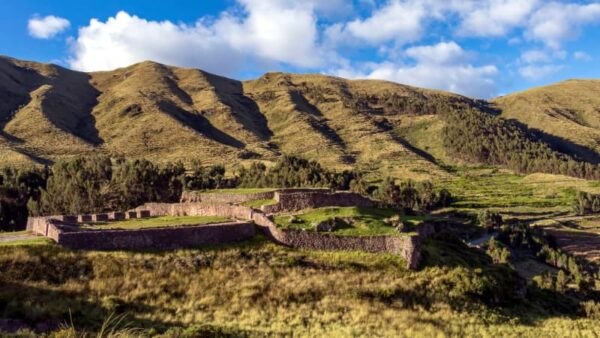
x=408, y=247
x=197, y=196
x=198, y=209
x=293, y=201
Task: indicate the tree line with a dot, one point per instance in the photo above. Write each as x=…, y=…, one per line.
x=477, y=136
x=100, y=183
x=586, y=203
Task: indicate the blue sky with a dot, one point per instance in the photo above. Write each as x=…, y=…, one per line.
x=480, y=48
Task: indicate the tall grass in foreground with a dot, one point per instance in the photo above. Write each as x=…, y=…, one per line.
x=259, y=289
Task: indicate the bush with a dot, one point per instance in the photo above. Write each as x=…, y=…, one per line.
x=498, y=253
x=592, y=309
x=410, y=195
x=489, y=219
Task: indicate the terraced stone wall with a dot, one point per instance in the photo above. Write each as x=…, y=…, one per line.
x=197, y=196
x=294, y=201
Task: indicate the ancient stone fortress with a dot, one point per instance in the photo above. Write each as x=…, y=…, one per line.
x=67, y=230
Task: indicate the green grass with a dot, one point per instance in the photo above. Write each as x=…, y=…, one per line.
x=259, y=203
x=13, y=233
x=155, y=222
x=477, y=188
x=368, y=221
x=240, y=191
x=27, y=242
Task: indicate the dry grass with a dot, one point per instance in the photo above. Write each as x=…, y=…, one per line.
x=567, y=109
x=259, y=288
x=166, y=113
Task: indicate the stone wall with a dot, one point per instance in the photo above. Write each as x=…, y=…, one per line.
x=72, y=236
x=197, y=196
x=158, y=238
x=408, y=247
x=299, y=200
x=198, y=209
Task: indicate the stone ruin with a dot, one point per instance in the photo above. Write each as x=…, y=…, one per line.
x=65, y=230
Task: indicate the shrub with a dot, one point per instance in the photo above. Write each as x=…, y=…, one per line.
x=592, y=309
x=498, y=253
x=489, y=219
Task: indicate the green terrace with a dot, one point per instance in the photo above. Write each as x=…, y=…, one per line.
x=157, y=222
x=21, y=238
x=357, y=221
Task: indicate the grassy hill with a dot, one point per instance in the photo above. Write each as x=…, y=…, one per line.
x=568, y=111
x=166, y=113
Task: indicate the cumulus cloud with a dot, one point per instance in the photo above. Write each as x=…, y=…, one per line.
x=442, y=66
x=398, y=21
x=283, y=31
x=556, y=22
x=440, y=54
x=318, y=35
x=496, y=17
x=271, y=31
x=47, y=27
x=583, y=56
x=126, y=39
x=538, y=72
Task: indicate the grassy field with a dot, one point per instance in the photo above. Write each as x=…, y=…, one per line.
x=260, y=289
x=476, y=188
x=6, y=234
x=26, y=242
x=367, y=221
x=155, y=222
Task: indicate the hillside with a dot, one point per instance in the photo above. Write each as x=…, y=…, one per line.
x=165, y=113
x=568, y=111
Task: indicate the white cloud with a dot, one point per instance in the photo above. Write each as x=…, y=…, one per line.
x=556, y=22
x=271, y=31
x=440, y=54
x=398, y=21
x=47, y=27
x=446, y=71
x=283, y=31
x=583, y=56
x=534, y=56
x=538, y=72
x=543, y=55
x=495, y=17
x=315, y=35
x=125, y=39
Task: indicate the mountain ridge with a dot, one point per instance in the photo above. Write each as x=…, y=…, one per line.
x=167, y=113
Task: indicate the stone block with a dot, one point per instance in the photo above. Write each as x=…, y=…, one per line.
x=68, y=218
x=84, y=218
x=99, y=218
x=143, y=213
x=116, y=216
